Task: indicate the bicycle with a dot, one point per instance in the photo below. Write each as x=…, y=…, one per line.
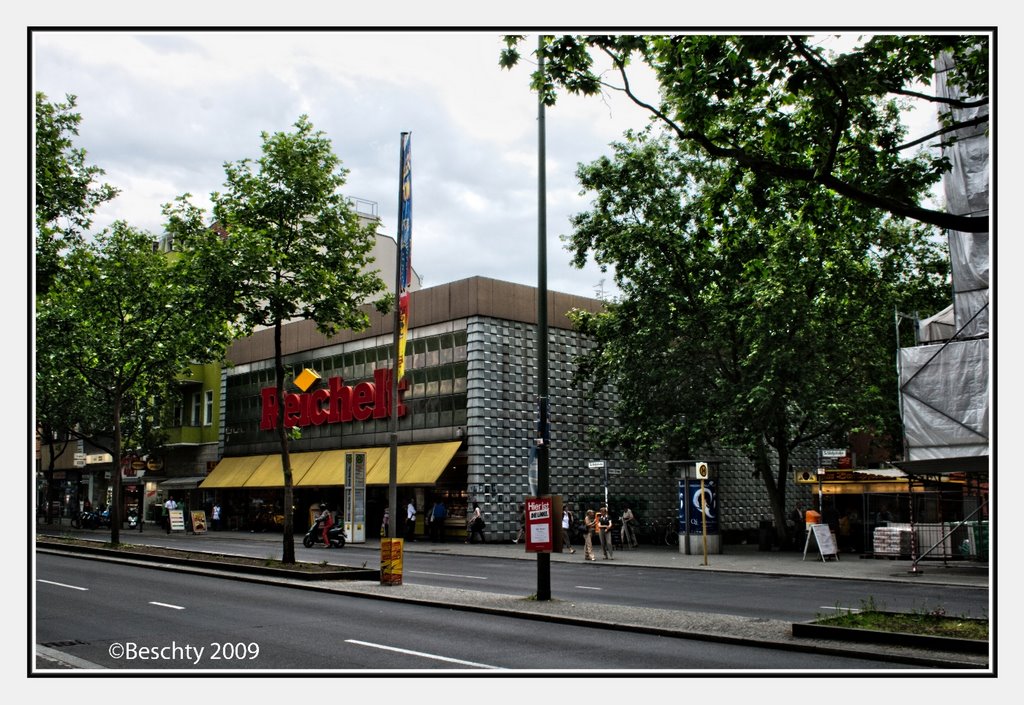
x=672, y=533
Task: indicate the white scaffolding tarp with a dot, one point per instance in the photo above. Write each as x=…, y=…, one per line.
x=966, y=188
x=944, y=393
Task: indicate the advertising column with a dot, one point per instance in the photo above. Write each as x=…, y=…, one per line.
x=355, y=497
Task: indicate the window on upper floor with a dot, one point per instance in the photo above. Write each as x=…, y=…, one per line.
x=196, y=407
x=208, y=415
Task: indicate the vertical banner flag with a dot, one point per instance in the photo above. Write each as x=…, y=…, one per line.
x=404, y=252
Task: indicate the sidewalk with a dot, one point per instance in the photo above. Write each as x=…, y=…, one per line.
x=733, y=558
x=741, y=559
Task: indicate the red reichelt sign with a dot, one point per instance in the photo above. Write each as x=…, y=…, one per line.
x=336, y=404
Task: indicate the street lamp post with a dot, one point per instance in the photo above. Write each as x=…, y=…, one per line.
x=543, y=559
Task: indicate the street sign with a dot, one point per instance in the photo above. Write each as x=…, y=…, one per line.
x=614, y=471
x=595, y=464
x=702, y=471
x=832, y=453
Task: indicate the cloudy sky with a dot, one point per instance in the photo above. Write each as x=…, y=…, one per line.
x=163, y=110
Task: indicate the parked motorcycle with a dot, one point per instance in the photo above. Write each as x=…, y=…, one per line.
x=91, y=519
x=335, y=536
x=85, y=520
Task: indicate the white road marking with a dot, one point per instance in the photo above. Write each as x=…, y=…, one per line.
x=587, y=587
x=447, y=575
x=164, y=604
x=50, y=582
x=421, y=654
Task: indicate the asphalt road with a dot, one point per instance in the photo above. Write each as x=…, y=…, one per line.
x=783, y=597
x=125, y=617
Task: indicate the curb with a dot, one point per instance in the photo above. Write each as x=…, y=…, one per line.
x=914, y=641
x=213, y=564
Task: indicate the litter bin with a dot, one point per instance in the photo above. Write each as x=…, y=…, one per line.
x=764, y=535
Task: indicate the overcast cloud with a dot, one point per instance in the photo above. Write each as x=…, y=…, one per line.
x=163, y=110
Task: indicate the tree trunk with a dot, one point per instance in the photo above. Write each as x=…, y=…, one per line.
x=774, y=485
x=288, y=538
x=115, y=476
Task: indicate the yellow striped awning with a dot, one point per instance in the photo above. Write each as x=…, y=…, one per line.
x=418, y=464
x=270, y=474
x=232, y=472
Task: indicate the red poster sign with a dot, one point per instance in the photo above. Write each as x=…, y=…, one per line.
x=539, y=525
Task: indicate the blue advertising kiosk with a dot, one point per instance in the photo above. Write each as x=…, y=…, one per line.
x=699, y=530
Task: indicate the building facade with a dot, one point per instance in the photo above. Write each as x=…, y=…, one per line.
x=468, y=418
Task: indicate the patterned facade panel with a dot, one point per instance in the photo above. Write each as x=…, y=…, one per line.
x=502, y=402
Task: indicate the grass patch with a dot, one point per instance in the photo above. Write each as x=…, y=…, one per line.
x=931, y=623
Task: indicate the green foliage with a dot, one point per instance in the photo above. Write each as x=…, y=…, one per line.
x=753, y=313
x=66, y=195
x=116, y=326
x=783, y=108
x=300, y=249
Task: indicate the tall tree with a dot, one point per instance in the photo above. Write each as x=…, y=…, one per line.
x=119, y=322
x=302, y=251
x=66, y=192
x=791, y=111
x=753, y=314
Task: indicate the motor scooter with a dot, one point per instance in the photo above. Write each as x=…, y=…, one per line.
x=335, y=536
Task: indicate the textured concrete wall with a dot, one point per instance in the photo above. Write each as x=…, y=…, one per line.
x=502, y=413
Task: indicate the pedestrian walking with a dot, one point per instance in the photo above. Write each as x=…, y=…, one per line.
x=604, y=527
x=215, y=515
x=475, y=525
x=522, y=525
x=567, y=520
x=168, y=506
x=437, y=516
x=410, y=521
x=628, y=530
x=589, y=523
